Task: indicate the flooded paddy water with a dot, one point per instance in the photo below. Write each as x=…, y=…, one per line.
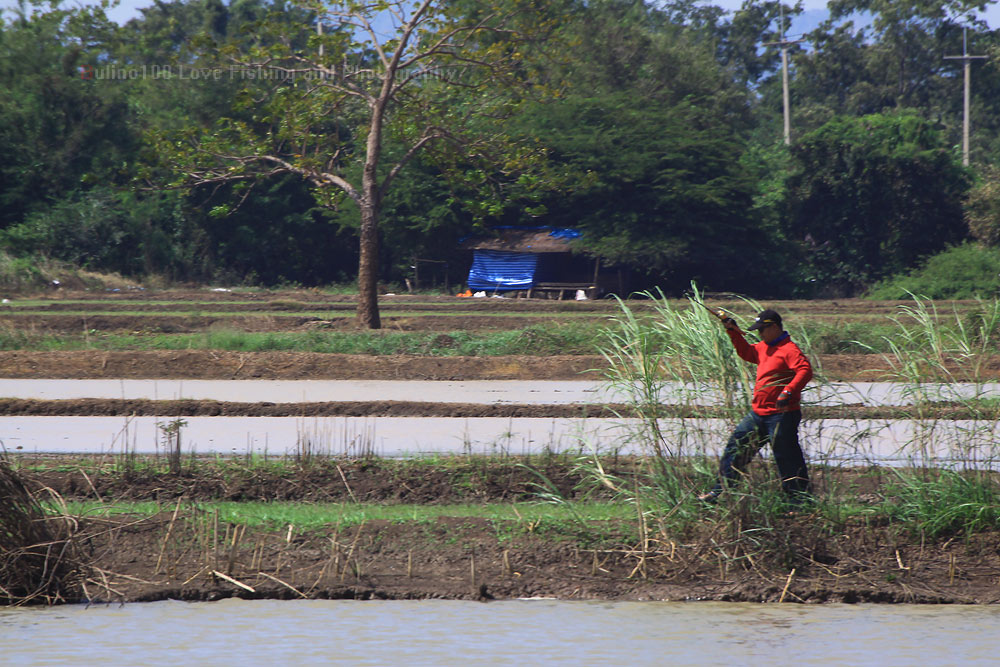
x=515, y=632
x=833, y=441
x=836, y=441
x=530, y=392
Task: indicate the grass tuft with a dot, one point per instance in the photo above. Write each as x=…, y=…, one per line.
x=944, y=502
x=39, y=561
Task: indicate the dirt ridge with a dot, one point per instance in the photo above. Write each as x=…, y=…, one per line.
x=113, y=407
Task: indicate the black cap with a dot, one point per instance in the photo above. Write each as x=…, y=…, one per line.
x=764, y=318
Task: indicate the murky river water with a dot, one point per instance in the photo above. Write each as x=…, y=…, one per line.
x=539, y=632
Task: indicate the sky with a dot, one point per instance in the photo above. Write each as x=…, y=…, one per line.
x=814, y=12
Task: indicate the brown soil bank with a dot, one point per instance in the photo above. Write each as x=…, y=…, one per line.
x=181, y=323
x=191, y=557
x=218, y=365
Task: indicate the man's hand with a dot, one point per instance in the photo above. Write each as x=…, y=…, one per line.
x=727, y=321
x=784, y=399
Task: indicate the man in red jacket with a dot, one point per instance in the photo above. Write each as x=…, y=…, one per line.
x=782, y=373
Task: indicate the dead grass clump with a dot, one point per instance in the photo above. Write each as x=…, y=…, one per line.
x=39, y=560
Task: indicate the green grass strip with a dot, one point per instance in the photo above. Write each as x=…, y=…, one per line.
x=307, y=516
x=313, y=312
x=550, y=339
x=544, y=307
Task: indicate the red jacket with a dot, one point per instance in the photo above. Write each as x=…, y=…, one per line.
x=781, y=367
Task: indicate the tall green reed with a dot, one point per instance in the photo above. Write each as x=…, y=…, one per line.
x=681, y=354
x=678, y=354
x=944, y=358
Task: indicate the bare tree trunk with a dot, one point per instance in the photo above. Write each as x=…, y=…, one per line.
x=370, y=201
x=370, y=204
x=368, y=315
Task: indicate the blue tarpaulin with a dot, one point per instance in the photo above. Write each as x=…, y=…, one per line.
x=498, y=270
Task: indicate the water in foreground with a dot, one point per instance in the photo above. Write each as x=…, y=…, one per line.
x=436, y=632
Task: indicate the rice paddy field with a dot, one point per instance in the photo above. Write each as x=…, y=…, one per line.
x=570, y=522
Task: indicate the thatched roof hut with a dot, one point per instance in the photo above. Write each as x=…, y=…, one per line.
x=530, y=259
x=533, y=240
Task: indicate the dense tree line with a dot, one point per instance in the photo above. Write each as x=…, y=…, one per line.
x=173, y=145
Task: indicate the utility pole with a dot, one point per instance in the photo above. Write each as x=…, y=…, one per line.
x=784, y=44
x=967, y=61
x=319, y=32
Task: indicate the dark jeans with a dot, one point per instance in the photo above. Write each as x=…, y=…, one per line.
x=750, y=435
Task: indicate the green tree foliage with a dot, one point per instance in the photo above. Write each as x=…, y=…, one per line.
x=746, y=42
x=164, y=44
x=271, y=234
x=655, y=189
x=654, y=127
x=119, y=230
x=877, y=55
x=872, y=196
x=58, y=133
x=643, y=150
x=74, y=111
x=425, y=215
x=767, y=163
x=325, y=111
x=910, y=38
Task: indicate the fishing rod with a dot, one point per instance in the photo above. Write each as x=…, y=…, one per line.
x=723, y=314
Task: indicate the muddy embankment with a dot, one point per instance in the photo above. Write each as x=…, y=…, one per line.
x=733, y=553
x=191, y=557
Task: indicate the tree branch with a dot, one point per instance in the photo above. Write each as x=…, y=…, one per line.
x=280, y=166
x=414, y=149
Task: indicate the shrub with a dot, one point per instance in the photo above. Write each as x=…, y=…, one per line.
x=962, y=272
x=982, y=208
